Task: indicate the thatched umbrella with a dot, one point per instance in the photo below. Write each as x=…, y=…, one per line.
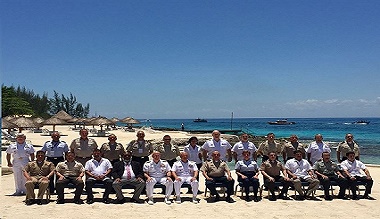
x=100, y=121
x=5, y=124
x=63, y=115
x=130, y=121
x=54, y=121
x=115, y=120
x=23, y=122
x=8, y=118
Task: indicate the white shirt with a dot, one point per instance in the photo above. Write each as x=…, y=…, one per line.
x=246, y=166
x=126, y=168
x=222, y=146
x=186, y=169
x=193, y=153
x=98, y=168
x=20, y=151
x=239, y=147
x=156, y=170
x=299, y=168
x=316, y=149
x=353, y=167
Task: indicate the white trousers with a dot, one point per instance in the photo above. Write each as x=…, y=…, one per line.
x=164, y=181
x=18, y=166
x=184, y=179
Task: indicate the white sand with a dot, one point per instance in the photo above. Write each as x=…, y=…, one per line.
x=14, y=207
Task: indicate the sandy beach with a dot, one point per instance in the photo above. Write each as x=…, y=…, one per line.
x=14, y=207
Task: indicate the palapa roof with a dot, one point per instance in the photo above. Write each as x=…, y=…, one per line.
x=63, y=115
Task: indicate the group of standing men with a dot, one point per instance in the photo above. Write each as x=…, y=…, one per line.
x=114, y=167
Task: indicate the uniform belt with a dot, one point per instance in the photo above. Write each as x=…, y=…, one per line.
x=55, y=158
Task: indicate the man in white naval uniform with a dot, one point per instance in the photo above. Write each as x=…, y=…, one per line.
x=157, y=171
x=185, y=171
x=21, y=151
x=217, y=144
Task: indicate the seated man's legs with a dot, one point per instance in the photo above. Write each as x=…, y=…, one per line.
x=169, y=186
x=117, y=186
x=342, y=183
x=326, y=183
x=285, y=185
x=368, y=185
x=210, y=184
x=107, y=182
x=177, y=186
x=79, y=184
x=150, y=187
x=255, y=184
x=89, y=184
x=30, y=188
x=59, y=187
x=298, y=186
x=313, y=185
x=139, y=187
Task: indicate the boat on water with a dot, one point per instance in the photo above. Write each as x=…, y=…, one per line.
x=281, y=122
x=361, y=122
x=199, y=120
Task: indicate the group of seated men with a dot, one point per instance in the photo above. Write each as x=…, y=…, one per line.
x=135, y=170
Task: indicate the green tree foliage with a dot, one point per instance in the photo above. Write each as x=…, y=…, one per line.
x=68, y=104
x=12, y=104
x=21, y=101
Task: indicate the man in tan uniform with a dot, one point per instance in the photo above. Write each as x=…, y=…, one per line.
x=69, y=171
x=168, y=151
x=83, y=147
x=140, y=148
x=214, y=171
x=37, y=172
x=346, y=146
x=270, y=145
x=112, y=150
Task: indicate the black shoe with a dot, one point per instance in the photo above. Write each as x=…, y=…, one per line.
x=328, y=198
x=118, y=201
x=39, y=202
x=368, y=197
x=272, y=198
x=256, y=199
x=78, y=202
x=217, y=198
x=230, y=200
x=60, y=201
x=355, y=197
x=29, y=202
x=247, y=199
x=283, y=197
x=90, y=201
x=106, y=201
x=138, y=201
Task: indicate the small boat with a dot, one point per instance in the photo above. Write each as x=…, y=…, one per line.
x=199, y=120
x=361, y=122
x=281, y=122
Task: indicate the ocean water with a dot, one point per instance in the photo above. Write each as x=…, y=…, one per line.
x=332, y=129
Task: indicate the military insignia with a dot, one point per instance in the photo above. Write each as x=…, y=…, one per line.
x=162, y=165
x=191, y=165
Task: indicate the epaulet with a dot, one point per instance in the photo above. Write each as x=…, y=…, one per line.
x=63, y=141
x=47, y=142
x=149, y=161
x=163, y=161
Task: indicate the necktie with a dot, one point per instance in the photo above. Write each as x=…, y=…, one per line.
x=127, y=167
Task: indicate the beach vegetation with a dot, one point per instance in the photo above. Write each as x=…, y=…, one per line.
x=22, y=101
x=69, y=104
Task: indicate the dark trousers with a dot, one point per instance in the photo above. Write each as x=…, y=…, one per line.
x=212, y=184
x=326, y=183
x=354, y=183
x=271, y=185
x=60, y=186
x=90, y=183
x=55, y=161
x=141, y=160
x=249, y=181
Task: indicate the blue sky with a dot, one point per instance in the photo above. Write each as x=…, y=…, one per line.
x=188, y=59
